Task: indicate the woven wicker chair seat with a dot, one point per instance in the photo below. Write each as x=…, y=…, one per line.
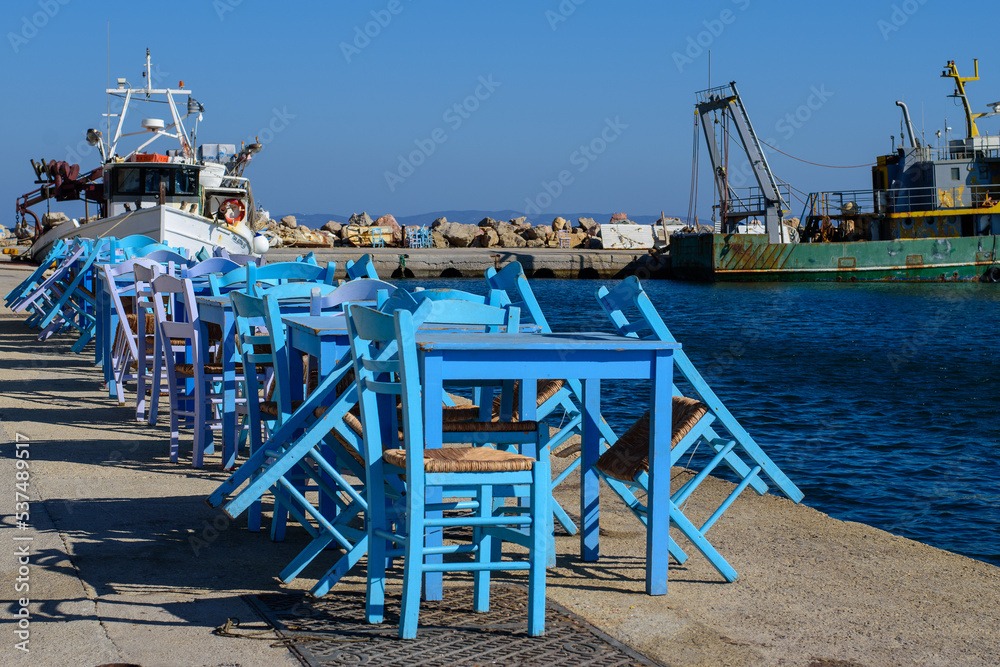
x=210, y=369
x=546, y=389
x=630, y=454
x=133, y=322
x=270, y=408
x=176, y=342
x=214, y=330
x=464, y=459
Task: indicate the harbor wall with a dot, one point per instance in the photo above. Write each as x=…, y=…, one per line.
x=428, y=263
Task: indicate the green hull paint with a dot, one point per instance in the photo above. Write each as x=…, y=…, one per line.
x=750, y=258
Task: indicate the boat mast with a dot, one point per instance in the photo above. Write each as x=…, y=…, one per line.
x=169, y=93
x=951, y=71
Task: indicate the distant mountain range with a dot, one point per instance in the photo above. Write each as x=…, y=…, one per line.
x=316, y=220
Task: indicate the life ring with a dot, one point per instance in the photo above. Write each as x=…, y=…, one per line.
x=233, y=210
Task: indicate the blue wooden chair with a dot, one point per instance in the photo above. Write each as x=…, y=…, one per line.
x=361, y=268
x=280, y=273
x=50, y=261
x=383, y=350
x=66, y=300
x=127, y=364
x=180, y=335
x=703, y=421
x=218, y=265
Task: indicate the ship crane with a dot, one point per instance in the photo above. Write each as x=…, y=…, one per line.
x=770, y=205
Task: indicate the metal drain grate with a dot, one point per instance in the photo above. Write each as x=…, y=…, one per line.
x=332, y=631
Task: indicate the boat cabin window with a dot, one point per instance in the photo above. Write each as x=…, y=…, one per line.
x=181, y=181
x=127, y=181
x=955, y=174
x=185, y=181
x=152, y=182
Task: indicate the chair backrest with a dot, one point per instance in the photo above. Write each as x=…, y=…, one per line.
x=164, y=255
x=234, y=280
x=459, y=313
x=122, y=287
x=309, y=258
x=261, y=342
x=317, y=293
x=383, y=349
x=130, y=245
x=219, y=265
x=512, y=281
x=629, y=299
x=354, y=291
x=494, y=298
x=176, y=312
x=243, y=260
x=284, y=272
x=361, y=268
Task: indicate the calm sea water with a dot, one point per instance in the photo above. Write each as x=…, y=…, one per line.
x=881, y=402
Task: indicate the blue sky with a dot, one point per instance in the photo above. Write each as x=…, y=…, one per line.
x=410, y=106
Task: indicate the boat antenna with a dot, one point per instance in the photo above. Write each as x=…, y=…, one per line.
x=108, y=97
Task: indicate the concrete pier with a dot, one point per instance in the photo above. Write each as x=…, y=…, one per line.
x=472, y=262
x=127, y=564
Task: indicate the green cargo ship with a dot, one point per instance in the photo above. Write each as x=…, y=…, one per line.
x=932, y=215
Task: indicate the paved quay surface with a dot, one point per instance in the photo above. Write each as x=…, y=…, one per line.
x=129, y=565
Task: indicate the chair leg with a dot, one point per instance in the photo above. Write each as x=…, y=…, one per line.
x=413, y=561
x=484, y=550
x=541, y=519
x=375, y=590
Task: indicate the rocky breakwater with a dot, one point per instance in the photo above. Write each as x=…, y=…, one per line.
x=362, y=231
x=516, y=233
x=359, y=231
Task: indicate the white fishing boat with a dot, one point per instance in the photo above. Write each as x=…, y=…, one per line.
x=183, y=197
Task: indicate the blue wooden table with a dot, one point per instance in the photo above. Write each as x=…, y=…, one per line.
x=474, y=357
x=589, y=357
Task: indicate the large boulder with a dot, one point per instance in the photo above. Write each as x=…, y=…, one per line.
x=440, y=221
x=488, y=238
x=579, y=240
x=459, y=235
x=517, y=222
x=619, y=217
x=361, y=220
x=50, y=220
x=539, y=232
x=289, y=221
x=535, y=243
x=488, y=222
x=586, y=223
x=397, y=231
x=559, y=224
x=23, y=230
x=438, y=240
x=509, y=239
x=333, y=227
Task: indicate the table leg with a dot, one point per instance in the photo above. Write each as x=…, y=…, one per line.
x=658, y=496
x=590, y=482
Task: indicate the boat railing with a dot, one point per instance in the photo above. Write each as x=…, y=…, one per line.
x=750, y=200
x=715, y=94
x=843, y=204
x=852, y=203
